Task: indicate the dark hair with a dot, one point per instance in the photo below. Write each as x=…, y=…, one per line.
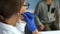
x=9, y=8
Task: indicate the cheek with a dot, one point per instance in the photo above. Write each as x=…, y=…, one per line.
x=23, y=9
x=18, y=16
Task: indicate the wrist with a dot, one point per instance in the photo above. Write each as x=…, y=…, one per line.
x=35, y=32
x=31, y=27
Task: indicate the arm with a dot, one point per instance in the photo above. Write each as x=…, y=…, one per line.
x=38, y=16
x=57, y=14
x=37, y=13
x=38, y=21
x=57, y=11
x=35, y=32
x=29, y=18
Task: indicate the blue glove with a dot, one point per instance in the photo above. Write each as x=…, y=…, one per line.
x=29, y=18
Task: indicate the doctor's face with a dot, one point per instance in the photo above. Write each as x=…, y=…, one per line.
x=23, y=9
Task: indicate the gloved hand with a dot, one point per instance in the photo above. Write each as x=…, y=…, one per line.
x=29, y=18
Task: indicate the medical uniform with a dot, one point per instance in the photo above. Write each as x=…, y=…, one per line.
x=8, y=29
x=20, y=27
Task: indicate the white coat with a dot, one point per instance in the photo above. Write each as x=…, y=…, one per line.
x=8, y=29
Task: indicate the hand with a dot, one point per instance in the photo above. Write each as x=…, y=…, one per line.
x=42, y=27
x=29, y=18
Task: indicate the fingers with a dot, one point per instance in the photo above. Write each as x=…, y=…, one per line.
x=25, y=16
x=30, y=15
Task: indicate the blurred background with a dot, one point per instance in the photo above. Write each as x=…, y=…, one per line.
x=33, y=4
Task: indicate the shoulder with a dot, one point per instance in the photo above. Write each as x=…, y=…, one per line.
x=3, y=32
x=56, y=1
x=40, y=2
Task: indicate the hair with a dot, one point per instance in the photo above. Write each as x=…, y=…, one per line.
x=9, y=8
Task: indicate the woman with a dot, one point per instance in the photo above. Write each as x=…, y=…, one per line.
x=10, y=13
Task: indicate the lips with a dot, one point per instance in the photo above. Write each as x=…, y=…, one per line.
x=21, y=17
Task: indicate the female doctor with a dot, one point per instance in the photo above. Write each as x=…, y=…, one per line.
x=10, y=13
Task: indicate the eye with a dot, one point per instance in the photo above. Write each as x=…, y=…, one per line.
x=27, y=5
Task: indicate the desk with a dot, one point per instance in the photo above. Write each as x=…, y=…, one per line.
x=50, y=32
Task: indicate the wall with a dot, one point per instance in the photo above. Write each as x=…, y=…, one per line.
x=32, y=5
